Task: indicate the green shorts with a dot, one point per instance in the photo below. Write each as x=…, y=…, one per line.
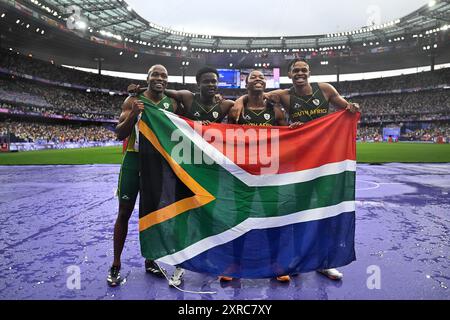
x=128, y=188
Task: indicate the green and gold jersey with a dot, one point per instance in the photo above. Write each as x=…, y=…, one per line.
x=165, y=103
x=201, y=112
x=264, y=117
x=309, y=107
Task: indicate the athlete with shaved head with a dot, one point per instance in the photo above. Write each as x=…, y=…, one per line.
x=203, y=106
x=128, y=187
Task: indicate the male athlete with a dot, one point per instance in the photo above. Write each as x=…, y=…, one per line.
x=204, y=107
x=304, y=101
x=257, y=111
x=128, y=187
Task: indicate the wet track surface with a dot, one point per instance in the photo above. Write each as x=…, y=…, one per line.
x=55, y=217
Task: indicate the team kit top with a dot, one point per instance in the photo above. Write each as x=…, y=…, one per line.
x=165, y=103
x=202, y=112
x=263, y=117
x=308, y=107
x=301, y=109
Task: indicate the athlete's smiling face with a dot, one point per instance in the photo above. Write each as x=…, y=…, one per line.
x=299, y=73
x=256, y=81
x=208, y=83
x=157, y=78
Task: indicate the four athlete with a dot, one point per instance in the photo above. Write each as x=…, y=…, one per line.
x=128, y=187
x=303, y=102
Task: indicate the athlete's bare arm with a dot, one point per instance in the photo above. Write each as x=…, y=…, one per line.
x=274, y=94
x=234, y=114
x=279, y=96
x=135, y=89
x=176, y=106
x=336, y=99
x=131, y=108
x=185, y=97
x=226, y=105
x=238, y=106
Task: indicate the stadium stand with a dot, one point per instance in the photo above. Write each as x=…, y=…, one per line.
x=33, y=90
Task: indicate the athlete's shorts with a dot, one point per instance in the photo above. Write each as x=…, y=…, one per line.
x=128, y=187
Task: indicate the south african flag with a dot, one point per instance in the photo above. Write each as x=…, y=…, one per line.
x=249, y=202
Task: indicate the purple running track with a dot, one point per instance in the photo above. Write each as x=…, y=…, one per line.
x=55, y=217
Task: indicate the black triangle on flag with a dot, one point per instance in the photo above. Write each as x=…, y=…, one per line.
x=157, y=175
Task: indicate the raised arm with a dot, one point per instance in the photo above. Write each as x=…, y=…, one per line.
x=180, y=96
x=278, y=92
x=279, y=96
x=226, y=105
x=131, y=108
x=183, y=96
x=135, y=89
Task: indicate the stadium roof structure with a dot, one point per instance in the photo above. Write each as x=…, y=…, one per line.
x=116, y=20
x=109, y=35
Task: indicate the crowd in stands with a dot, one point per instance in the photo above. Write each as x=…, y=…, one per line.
x=30, y=97
x=47, y=70
x=431, y=133
x=371, y=119
x=426, y=102
x=27, y=65
x=369, y=133
x=30, y=110
x=27, y=93
x=57, y=133
x=411, y=81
